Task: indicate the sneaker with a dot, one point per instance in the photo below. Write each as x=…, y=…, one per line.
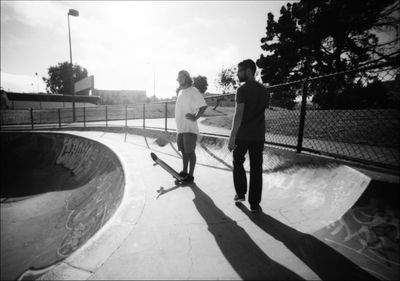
x=183, y=174
x=256, y=209
x=239, y=197
x=188, y=179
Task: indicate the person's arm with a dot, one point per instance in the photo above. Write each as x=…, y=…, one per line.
x=194, y=117
x=237, y=120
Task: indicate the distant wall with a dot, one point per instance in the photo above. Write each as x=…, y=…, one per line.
x=46, y=104
x=224, y=100
x=39, y=101
x=121, y=96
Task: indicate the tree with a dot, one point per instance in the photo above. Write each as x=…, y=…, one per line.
x=4, y=102
x=313, y=38
x=59, y=81
x=284, y=99
x=200, y=82
x=227, y=80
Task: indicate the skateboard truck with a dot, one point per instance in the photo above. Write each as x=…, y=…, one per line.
x=157, y=161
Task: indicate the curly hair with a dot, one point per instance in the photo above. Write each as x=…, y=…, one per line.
x=188, y=79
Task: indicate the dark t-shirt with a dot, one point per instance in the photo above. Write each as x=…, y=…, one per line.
x=256, y=99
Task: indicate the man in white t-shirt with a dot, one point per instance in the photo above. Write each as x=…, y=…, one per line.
x=190, y=105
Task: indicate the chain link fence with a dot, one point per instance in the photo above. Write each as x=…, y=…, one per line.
x=352, y=115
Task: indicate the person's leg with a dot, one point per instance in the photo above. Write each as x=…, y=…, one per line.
x=239, y=174
x=181, y=147
x=190, y=140
x=192, y=163
x=185, y=159
x=256, y=160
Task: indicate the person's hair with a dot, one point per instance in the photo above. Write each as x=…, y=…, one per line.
x=188, y=79
x=248, y=64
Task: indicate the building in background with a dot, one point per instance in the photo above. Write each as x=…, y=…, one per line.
x=121, y=97
x=109, y=97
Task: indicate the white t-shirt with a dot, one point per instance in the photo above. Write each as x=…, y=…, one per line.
x=189, y=101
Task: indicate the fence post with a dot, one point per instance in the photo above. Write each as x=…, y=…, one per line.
x=59, y=118
x=84, y=116
x=126, y=115
x=302, y=116
x=106, y=117
x=144, y=115
x=166, y=116
x=32, y=117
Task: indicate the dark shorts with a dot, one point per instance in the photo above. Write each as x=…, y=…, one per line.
x=186, y=142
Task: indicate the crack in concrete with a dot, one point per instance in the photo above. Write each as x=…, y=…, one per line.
x=189, y=254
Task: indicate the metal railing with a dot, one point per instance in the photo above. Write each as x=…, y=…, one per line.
x=359, y=133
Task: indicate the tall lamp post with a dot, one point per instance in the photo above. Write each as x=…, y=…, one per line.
x=154, y=82
x=154, y=79
x=73, y=13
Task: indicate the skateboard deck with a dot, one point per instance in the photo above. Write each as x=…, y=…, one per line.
x=165, y=166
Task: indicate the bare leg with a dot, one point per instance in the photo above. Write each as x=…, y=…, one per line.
x=192, y=161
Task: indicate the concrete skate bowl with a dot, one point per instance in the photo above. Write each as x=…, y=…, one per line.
x=308, y=199
x=57, y=191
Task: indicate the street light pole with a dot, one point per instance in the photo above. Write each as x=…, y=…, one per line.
x=154, y=82
x=37, y=82
x=74, y=13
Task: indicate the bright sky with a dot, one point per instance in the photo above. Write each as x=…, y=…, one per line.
x=128, y=44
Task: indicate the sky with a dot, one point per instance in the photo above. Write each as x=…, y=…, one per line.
x=130, y=45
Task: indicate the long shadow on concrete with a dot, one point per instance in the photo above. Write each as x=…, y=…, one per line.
x=327, y=263
x=245, y=257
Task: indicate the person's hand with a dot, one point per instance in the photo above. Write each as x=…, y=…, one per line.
x=191, y=116
x=231, y=144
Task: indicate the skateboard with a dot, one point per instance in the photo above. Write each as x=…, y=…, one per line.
x=157, y=161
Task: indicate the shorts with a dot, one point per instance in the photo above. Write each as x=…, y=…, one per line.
x=186, y=142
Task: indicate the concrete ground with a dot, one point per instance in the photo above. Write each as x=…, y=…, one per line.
x=195, y=231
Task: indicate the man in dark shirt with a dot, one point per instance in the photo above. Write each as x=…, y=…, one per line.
x=248, y=134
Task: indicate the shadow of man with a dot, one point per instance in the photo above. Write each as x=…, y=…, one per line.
x=327, y=263
x=245, y=257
